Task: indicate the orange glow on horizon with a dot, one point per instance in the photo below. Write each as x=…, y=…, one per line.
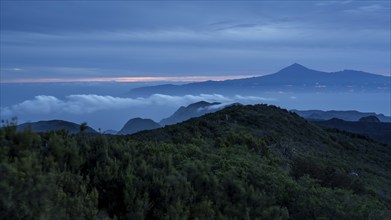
x=130, y=79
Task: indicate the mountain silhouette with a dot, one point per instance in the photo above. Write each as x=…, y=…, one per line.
x=350, y=121
x=371, y=118
x=138, y=124
x=193, y=110
x=344, y=115
x=295, y=77
x=54, y=125
x=368, y=126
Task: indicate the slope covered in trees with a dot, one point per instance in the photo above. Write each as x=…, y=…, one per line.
x=378, y=131
x=243, y=162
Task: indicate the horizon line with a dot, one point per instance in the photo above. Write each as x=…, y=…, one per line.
x=130, y=79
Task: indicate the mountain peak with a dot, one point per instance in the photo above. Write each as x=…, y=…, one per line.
x=296, y=70
x=201, y=104
x=296, y=67
x=135, y=125
x=193, y=110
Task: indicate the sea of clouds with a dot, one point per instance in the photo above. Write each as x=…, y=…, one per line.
x=89, y=103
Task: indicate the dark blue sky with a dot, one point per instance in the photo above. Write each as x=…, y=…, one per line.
x=92, y=39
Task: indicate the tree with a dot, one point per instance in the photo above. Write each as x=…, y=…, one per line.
x=83, y=127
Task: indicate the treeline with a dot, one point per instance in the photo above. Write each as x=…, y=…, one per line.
x=237, y=174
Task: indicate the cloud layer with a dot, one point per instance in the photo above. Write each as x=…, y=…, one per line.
x=89, y=103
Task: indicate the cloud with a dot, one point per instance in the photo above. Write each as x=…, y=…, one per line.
x=89, y=103
x=212, y=107
x=328, y=3
x=366, y=9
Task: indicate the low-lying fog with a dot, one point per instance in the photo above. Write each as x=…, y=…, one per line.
x=109, y=105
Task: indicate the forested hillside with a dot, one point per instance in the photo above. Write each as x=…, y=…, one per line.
x=243, y=162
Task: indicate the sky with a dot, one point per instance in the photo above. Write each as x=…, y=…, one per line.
x=62, y=41
x=78, y=60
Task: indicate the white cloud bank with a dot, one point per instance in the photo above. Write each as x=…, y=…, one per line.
x=89, y=103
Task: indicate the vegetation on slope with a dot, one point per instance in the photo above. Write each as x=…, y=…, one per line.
x=378, y=131
x=243, y=162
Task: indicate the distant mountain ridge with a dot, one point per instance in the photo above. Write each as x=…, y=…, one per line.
x=372, y=119
x=182, y=114
x=193, y=110
x=295, y=77
x=350, y=121
x=344, y=115
x=54, y=125
x=138, y=124
x=379, y=131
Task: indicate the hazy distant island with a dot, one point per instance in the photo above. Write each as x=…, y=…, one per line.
x=293, y=78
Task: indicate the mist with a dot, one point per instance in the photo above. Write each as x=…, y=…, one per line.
x=110, y=105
